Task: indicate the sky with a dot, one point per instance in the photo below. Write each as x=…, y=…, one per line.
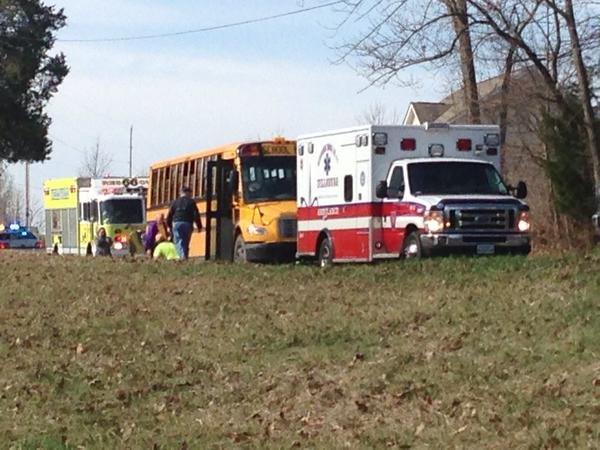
x=190, y=92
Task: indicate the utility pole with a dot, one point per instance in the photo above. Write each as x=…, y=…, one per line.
x=131, y=151
x=27, y=203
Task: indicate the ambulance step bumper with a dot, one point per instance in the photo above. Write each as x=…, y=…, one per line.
x=484, y=244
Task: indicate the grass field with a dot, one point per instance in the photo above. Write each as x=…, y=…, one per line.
x=469, y=352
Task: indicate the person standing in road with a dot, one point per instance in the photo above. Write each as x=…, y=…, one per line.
x=183, y=213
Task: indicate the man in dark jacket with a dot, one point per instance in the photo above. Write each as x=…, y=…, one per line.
x=183, y=213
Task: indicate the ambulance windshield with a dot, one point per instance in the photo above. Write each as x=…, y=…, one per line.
x=122, y=211
x=454, y=177
x=269, y=178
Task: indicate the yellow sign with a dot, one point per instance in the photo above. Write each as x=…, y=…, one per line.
x=60, y=193
x=279, y=149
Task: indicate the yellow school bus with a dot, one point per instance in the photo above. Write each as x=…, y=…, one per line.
x=246, y=195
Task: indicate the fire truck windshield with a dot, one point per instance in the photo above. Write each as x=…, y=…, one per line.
x=122, y=211
x=453, y=177
x=269, y=178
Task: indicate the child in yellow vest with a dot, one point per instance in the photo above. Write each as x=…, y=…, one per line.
x=164, y=249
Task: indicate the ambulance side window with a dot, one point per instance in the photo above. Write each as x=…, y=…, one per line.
x=396, y=186
x=348, y=188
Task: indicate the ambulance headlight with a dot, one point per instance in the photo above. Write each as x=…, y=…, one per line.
x=434, y=222
x=256, y=230
x=524, y=223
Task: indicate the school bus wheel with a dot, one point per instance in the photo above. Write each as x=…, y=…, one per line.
x=239, y=250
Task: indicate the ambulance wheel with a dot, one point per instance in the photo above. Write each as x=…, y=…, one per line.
x=412, y=246
x=325, y=257
x=239, y=250
x=88, y=250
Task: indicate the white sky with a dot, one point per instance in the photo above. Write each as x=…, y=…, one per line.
x=187, y=93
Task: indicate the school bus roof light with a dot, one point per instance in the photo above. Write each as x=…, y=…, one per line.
x=249, y=150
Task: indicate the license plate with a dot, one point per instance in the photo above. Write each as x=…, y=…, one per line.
x=486, y=249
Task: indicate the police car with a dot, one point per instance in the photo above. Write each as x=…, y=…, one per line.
x=15, y=236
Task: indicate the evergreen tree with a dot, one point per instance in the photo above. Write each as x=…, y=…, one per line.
x=568, y=163
x=29, y=76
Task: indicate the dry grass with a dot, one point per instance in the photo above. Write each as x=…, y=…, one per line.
x=475, y=352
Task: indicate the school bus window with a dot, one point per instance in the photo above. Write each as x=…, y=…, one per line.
x=176, y=181
x=204, y=175
x=268, y=179
x=173, y=183
x=198, y=181
x=192, y=177
x=154, y=193
x=160, y=197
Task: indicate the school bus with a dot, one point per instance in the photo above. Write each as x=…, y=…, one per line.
x=246, y=195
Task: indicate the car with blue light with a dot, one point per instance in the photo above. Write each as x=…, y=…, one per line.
x=18, y=237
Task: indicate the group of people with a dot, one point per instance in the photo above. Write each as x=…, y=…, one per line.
x=165, y=238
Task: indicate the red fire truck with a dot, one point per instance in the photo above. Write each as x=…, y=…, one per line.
x=375, y=192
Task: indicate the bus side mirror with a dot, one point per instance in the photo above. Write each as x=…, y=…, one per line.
x=233, y=181
x=381, y=189
x=521, y=190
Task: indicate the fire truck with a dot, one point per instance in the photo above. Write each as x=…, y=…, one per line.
x=375, y=192
x=76, y=208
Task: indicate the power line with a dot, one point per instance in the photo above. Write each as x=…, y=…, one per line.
x=206, y=29
x=83, y=152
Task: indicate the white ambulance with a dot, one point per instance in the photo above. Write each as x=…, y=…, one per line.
x=374, y=192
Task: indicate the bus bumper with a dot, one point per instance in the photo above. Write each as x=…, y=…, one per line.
x=482, y=244
x=271, y=252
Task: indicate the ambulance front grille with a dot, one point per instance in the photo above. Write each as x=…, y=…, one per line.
x=482, y=219
x=288, y=228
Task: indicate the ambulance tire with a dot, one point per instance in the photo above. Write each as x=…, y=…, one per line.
x=411, y=249
x=325, y=256
x=88, y=250
x=239, y=250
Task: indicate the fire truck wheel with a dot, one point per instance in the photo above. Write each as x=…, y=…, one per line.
x=412, y=246
x=239, y=250
x=325, y=253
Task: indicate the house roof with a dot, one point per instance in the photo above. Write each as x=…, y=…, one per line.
x=428, y=111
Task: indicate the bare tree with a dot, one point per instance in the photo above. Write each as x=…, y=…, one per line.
x=407, y=33
x=96, y=163
x=377, y=114
x=460, y=22
x=10, y=197
x=535, y=30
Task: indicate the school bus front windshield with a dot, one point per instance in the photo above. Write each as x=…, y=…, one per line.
x=268, y=178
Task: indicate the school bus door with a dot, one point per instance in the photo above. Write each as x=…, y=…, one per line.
x=219, y=211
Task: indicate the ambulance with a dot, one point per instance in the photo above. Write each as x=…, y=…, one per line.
x=76, y=208
x=373, y=192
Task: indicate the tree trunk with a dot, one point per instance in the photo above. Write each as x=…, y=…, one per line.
x=586, y=98
x=504, y=101
x=460, y=21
